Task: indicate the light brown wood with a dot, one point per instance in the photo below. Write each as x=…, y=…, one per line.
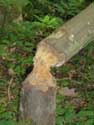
x=38, y=94
x=72, y=36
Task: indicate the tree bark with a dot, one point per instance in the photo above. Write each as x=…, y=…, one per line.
x=39, y=90
x=73, y=35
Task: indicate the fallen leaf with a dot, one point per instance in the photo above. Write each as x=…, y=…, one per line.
x=11, y=72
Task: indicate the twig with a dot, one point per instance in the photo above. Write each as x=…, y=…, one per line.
x=9, y=87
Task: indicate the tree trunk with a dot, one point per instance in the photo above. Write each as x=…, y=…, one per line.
x=39, y=90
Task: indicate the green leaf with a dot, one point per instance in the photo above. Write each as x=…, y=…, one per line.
x=4, y=122
x=86, y=113
x=59, y=121
x=59, y=110
x=89, y=122
x=19, y=3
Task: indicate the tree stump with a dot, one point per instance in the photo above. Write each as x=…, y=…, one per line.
x=38, y=95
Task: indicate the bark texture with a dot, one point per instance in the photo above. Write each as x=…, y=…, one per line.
x=39, y=90
x=73, y=35
x=38, y=107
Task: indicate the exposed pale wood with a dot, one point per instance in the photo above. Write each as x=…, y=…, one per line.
x=39, y=90
x=73, y=35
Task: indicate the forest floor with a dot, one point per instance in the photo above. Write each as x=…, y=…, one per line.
x=75, y=79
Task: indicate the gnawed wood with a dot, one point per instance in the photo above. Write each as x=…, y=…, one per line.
x=39, y=89
x=73, y=35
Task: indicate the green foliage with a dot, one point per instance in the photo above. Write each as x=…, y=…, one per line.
x=8, y=122
x=19, y=3
x=66, y=115
x=49, y=22
x=10, y=11
x=80, y=70
x=20, y=41
x=61, y=9
x=18, y=44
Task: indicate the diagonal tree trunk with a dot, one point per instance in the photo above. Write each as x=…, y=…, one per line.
x=39, y=89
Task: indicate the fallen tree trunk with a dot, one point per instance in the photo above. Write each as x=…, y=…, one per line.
x=39, y=89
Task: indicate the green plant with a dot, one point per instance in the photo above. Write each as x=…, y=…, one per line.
x=18, y=44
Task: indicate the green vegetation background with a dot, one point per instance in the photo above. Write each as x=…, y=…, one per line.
x=18, y=43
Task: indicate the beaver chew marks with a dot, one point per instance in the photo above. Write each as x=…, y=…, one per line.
x=38, y=95
x=45, y=58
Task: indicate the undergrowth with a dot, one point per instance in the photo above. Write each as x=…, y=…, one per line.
x=18, y=43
